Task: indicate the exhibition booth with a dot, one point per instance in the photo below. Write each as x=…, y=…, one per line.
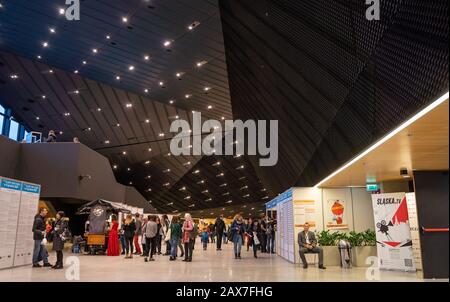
x=381, y=228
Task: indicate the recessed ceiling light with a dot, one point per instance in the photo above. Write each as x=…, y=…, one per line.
x=188, y=96
x=76, y=92
x=124, y=19
x=84, y=62
x=207, y=88
x=61, y=11
x=129, y=105
x=52, y=30
x=149, y=149
x=161, y=135
x=146, y=90
x=38, y=118
x=14, y=76
x=131, y=68
x=117, y=125
x=147, y=121
x=201, y=63
x=44, y=44
x=107, y=142
x=167, y=43
x=75, y=71
x=99, y=109
x=161, y=83
x=50, y=71
x=210, y=107
x=146, y=57
x=39, y=57
x=94, y=50
x=115, y=167
x=193, y=25
x=118, y=78
x=67, y=114
x=125, y=153
x=223, y=118
x=43, y=97
x=108, y=37
x=147, y=162
x=171, y=102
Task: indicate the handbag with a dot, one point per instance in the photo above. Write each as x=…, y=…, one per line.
x=255, y=239
x=168, y=235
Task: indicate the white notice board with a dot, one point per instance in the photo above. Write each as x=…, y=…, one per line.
x=28, y=208
x=18, y=205
x=10, y=191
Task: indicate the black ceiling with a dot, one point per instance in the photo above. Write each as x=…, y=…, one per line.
x=335, y=81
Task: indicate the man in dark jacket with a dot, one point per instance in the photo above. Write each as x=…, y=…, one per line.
x=219, y=226
x=40, y=252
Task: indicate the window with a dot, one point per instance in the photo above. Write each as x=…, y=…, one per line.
x=2, y=110
x=14, y=130
x=1, y=123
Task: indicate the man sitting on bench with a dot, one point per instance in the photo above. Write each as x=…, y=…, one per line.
x=308, y=244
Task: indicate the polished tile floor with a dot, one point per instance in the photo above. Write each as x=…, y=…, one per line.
x=209, y=265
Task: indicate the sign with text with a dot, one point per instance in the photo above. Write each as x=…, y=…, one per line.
x=394, y=243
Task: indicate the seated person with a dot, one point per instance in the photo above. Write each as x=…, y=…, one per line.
x=308, y=244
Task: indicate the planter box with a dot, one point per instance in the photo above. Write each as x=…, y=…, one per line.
x=331, y=256
x=361, y=253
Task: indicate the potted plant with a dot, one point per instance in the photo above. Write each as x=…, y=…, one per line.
x=328, y=241
x=363, y=246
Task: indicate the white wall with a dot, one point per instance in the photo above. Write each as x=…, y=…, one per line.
x=362, y=210
x=358, y=206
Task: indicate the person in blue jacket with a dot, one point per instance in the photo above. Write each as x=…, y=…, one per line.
x=237, y=235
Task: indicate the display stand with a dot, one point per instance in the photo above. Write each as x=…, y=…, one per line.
x=18, y=205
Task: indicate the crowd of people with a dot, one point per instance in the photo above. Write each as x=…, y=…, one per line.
x=44, y=231
x=146, y=236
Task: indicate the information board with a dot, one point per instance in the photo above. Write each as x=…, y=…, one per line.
x=28, y=208
x=18, y=205
x=10, y=192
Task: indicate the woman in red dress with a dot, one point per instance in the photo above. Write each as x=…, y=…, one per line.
x=113, y=241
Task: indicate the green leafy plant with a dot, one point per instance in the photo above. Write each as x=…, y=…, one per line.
x=356, y=239
x=369, y=238
x=327, y=238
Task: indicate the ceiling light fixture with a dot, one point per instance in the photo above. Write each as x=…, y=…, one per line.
x=167, y=43
x=124, y=19
x=39, y=57
x=75, y=71
x=45, y=44
x=129, y=105
x=61, y=11
x=131, y=68
x=410, y=121
x=118, y=78
x=108, y=37
x=94, y=50
x=146, y=57
x=52, y=30
x=201, y=63
x=84, y=62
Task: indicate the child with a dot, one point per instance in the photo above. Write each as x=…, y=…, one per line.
x=205, y=238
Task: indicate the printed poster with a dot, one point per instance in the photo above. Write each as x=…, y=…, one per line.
x=415, y=229
x=336, y=214
x=305, y=211
x=394, y=241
